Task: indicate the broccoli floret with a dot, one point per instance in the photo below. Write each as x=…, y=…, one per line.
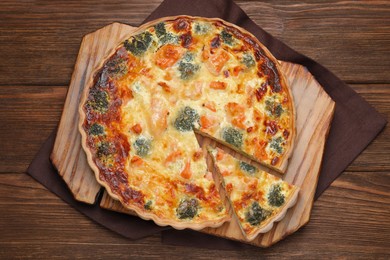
x=278, y=110
x=105, y=152
x=188, y=57
x=232, y=136
x=273, y=108
x=276, y=144
x=248, y=168
x=148, y=205
x=201, y=28
x=138, y=44
x=116, y=67
x=256, y=214
x=186, y=119
x=248, y=60
x=98, y=100
x=142, y=146
x=275, y=196
x=96, y=129
x=103, y=149
x=163, y=36
x=160, y=29
x=187, y=69
x=186, y=66
x=227, y=37
x=101, y=79
x=168, y=38
x=188, y=208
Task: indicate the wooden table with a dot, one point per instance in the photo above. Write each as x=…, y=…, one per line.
x=39, y=41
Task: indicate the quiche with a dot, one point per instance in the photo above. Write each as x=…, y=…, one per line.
x=258, y=198
x=169, y=79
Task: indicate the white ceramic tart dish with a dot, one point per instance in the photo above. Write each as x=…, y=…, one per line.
x=170, y=78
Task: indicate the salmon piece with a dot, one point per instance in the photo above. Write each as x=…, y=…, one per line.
x=250, y=95
x=136, y=128
x=206, y=122
x=195, y=91
x=136, y=160
x=210, y=105
x=134, y=65
x=197, y=155
x=237, y=113
x=215, y=62
x=173, y=156
x=123, y=91
x=220, y=155
x=165, y=86
x=239, y=122
x=159, y=116
x=240, y=89
x=186, y=173
x=260, y=152
x=219, y=60
x=257, y=115
x=146, y=72
x=237, y=70
x=168, y=55
x=218, y=85
x=229, y=187
x=168, y=76
x=235, y=109
x=206, y=54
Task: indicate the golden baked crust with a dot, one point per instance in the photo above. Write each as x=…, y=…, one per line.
x=171, y=77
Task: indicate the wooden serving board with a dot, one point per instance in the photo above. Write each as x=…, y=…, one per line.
x=314, y=109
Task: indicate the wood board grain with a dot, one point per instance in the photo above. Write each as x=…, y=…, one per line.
x=338, y=34
x=67, y=155
x=314, y=114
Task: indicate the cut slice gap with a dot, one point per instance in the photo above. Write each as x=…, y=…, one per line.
x=205, y=143
x=258, y=199
x=235, y=151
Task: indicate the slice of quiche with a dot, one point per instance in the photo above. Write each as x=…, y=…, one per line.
x=258, y=198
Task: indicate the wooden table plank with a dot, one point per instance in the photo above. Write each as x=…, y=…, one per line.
x=40, y=39
x=47, y=227
x=376, y=156
x=28, y=114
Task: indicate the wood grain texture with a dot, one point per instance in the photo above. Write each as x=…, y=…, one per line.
x=314, y=110
x=39, y=42
x=28, y=114
x=376, y=157
x=68, y=155
x=335, y=33
x=31, y=228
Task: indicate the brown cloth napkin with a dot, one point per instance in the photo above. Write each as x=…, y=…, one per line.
x=355, y=125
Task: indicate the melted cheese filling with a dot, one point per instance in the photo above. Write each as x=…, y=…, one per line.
x=223, y=96
x=242, y=188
